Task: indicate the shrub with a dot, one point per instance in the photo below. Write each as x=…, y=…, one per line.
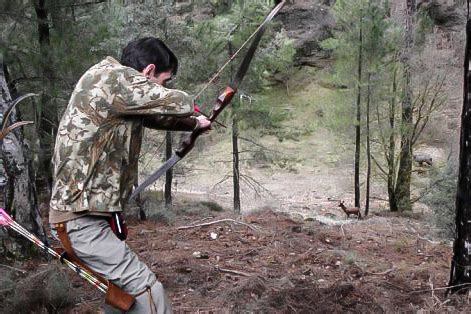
x=441, y=198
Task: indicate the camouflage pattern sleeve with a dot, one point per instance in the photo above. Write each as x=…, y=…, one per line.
x=169, y=123
x=136, y=95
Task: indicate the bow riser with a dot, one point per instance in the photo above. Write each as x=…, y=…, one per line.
x=222, y=101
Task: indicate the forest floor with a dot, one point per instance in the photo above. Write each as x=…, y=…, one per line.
x=271, y=262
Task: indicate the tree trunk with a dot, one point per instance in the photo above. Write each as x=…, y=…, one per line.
x=20, y=200
x=235, y=147
x=392, y=147
x=461, y=262
x=235, y=159
x=48, y=119
x=358, y=121
x=405, y=158
x=169, y=173
x=368, y=149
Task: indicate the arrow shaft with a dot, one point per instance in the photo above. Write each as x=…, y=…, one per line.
x=7, y=221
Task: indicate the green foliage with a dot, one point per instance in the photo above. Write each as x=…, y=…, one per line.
x=74, y=46
x=380, y=38
x=51, y=69
x=441, y=198
x=367, y=39
x=209, y=43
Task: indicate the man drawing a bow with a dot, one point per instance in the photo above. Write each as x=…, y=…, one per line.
x=95, y=165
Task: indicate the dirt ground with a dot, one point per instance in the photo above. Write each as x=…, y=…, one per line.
x=271, y=262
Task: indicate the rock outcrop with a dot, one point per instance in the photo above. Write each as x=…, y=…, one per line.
x=308, y=23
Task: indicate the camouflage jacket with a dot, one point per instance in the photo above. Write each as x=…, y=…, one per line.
x=99, y=136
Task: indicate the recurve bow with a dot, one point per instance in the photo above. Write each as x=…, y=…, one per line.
x=221, y=102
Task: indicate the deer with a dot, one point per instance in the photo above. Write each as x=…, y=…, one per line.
x=350, y=210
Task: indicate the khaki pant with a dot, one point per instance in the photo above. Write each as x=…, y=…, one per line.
x=96, y=245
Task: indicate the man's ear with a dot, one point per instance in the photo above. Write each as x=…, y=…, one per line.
x=149, y=70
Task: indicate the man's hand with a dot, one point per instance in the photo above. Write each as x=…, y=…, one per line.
x=199, y=113
x=204, y=123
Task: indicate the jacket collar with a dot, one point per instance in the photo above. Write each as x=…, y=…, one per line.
x=112, y=60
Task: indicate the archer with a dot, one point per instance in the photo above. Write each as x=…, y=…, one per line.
x=95, y=165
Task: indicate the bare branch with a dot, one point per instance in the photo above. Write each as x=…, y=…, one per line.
x=234, y=272
x=205, y=224
x=383, y=173
x=257, y=144
x=78, y=4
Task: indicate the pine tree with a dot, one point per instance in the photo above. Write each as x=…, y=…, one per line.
x=361, y=46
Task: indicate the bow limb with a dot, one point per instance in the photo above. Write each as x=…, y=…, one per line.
x=222, y=101
x=4, y=132
x=8, y=111
x=258, y=32
x=5, y=128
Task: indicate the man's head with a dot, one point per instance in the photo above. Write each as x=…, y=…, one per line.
x=152, y=58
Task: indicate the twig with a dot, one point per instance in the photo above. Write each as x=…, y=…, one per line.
x=441, y=288
x=401, y=289
x=206, y=218
x=218, y=221
x=431, y=288
x=257, y=144
x=235, y=272
x=307, y=252
x=341, y=228
x=226, y=177
x=251, y=251
x=381, y=273
x=256, y=186
x=430, y=241
x=16, y=269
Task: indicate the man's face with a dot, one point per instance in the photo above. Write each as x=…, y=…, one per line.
x=163, y=78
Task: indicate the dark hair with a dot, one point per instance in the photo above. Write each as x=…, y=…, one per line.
x=140, y=53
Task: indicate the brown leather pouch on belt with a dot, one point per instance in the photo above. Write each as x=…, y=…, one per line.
x=115, y=296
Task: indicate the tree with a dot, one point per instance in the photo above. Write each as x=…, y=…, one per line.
x=392, y=130
x=379, y=46
x=368, y=145
x=21, y=198
x=358, y=113
x=461, y=261
x=403, y=182
x=169, y=173
x=47, y=46
x=362, y=44
x=389, y=146
x=273, y=56
x=48, y=119
x=235, y=145
x=428, y=97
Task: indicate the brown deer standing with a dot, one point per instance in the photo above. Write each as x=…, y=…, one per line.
x=350, y=210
